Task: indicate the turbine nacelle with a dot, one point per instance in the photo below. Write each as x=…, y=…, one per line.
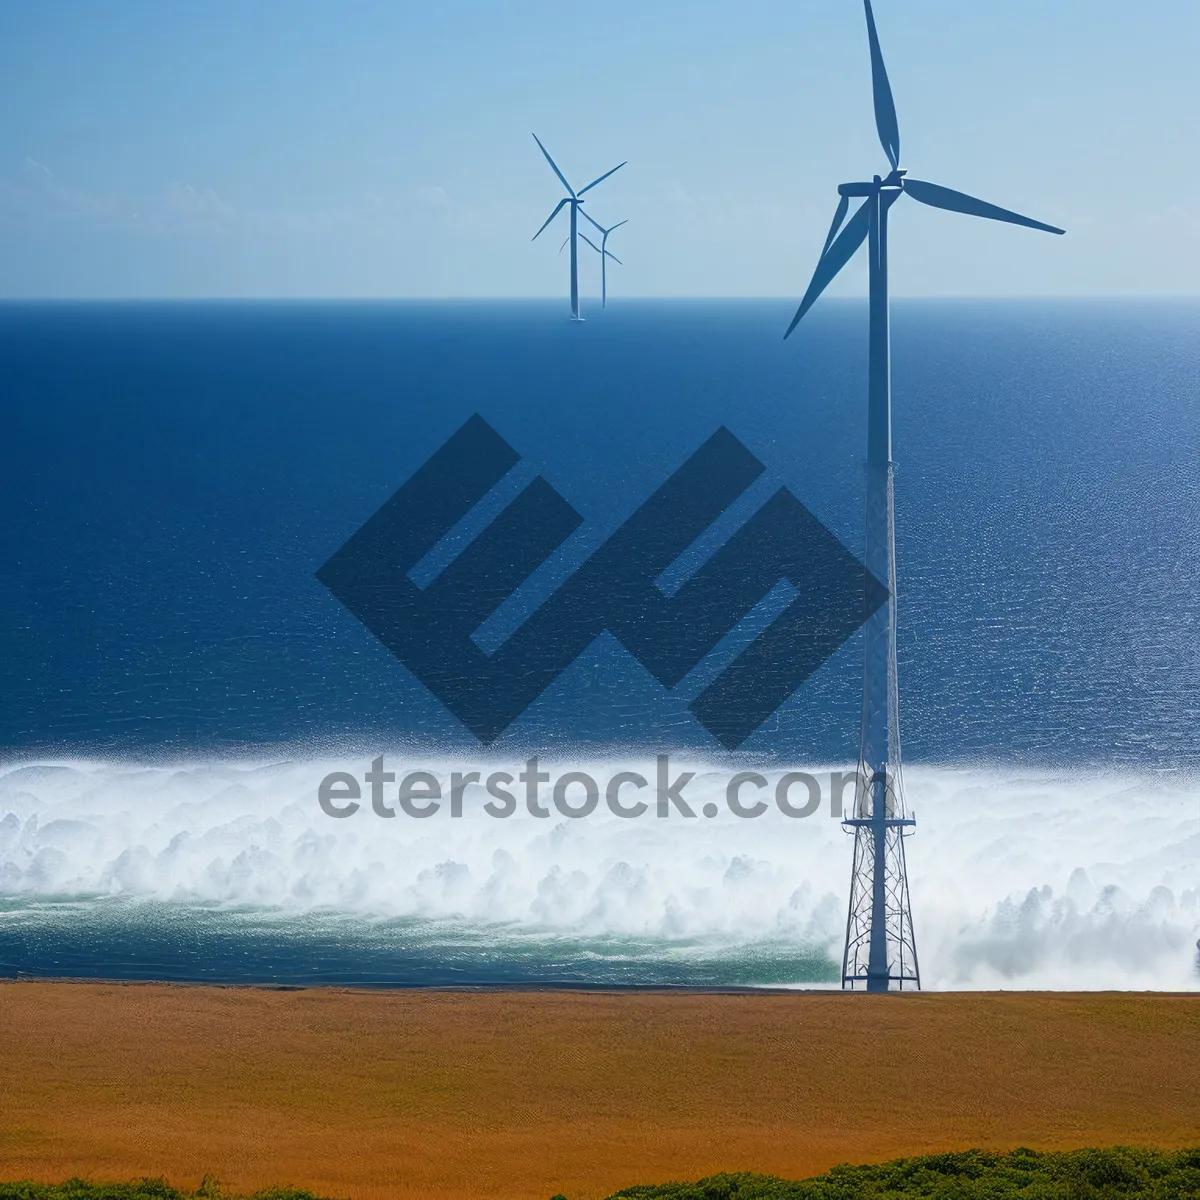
x=894, y=180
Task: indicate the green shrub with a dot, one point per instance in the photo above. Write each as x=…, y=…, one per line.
x=142, y=1189
x=1110, y=1174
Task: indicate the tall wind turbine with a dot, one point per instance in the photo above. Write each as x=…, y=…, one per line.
x=604, y=252
x=574, y=199
x=880, y=947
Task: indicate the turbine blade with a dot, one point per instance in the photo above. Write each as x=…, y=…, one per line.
x=564, y=245
x=838, y=217
x=617, y=225
x=553, y=164
x=613, y=257
x=942, y=197
x=557, y=210
x=590, y=243
x=588, y=217
x=885, y=107
x=602, y=178
x=834, y=259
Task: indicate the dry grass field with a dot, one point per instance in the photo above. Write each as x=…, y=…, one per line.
x=407, y=1094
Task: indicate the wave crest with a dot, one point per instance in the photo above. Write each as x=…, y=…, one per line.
x=1054, y=880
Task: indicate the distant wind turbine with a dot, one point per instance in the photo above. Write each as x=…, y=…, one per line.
x=574, y=199
x=880, y=946
x=604, y=252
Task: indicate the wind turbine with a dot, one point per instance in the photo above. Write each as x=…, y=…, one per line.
x=574, y=199
x=604, y=252
x=880, y=947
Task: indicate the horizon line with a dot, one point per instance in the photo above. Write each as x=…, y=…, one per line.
x=265, y=298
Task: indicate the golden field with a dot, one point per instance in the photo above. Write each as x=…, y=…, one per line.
x=521, y=1094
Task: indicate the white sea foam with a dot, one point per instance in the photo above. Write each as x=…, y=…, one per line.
x=1019, y=879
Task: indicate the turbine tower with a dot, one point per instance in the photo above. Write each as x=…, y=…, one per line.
x=574, y=199
x=880, y=946
x=604, y=252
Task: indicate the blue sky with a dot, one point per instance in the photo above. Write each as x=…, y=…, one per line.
x=362, y=148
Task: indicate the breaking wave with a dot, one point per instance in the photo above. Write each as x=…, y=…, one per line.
x=230, y=870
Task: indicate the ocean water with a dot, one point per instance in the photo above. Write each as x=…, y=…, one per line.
x=177, y=682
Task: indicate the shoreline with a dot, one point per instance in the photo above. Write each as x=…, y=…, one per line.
x=569, y=988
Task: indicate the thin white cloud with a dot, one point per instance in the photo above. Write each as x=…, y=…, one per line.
x=31, y=194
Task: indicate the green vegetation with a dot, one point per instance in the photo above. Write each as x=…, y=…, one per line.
x=972, y=1175
x=142, y=1189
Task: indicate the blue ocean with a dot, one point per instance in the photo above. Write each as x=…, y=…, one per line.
x=177, y=681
